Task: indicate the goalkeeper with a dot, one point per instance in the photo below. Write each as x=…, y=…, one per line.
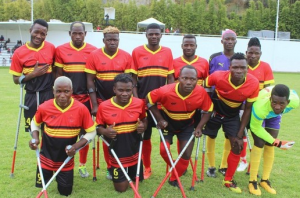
x=265, y=121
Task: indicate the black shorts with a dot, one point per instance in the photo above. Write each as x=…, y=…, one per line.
x=183, y=135
x=63, y=178
x=148, y=131
x=230, y=126
x=31, y=103
x=118, y=175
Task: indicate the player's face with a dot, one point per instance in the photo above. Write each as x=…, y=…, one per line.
x=253, y=54
x=238, y=69
x=77, y=35
x=123, y=92
x=278, y=104
x=229, y=41
x=189, y=47
x=187, y=80
x=62, y=94
x=111, y=42
x=38, y=34
x=153, y=36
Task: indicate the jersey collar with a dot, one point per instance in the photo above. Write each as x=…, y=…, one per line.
x=255, y=67
x=35, y=49
x=108, y=56
x=118, y=106
x=77, y=49
x=146, y=48
x=232, y=85
x=179, y=95
x=190, y=63
x=66, y=109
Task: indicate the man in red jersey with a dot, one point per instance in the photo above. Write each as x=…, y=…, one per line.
x=122, y=119
x=179, y=102
x=63, y=118
x=102, y=66
x=32, y=65
x=232, y=88
x=153, y=68
x=70, y=60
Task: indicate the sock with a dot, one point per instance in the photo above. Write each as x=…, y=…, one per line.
x=181, y=166
x=164, y=154
x=210, y=147
x=255, y=157
x=268, y=162
x=226, y=151
x=83, y=154
x=233, y=162
x=244, y=151
x=146, y=152
x=106, y=155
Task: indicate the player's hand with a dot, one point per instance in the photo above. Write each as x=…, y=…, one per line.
x=110, y=132
x=284, y=145
x=239, y=143
x=140, y=126
x=94, y=110
x=33, y=143
x=198, y=132
x=38, y=71
x=162, y=124
x=70, y=151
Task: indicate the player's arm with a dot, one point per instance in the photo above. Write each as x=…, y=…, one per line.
x=109, y=131
x=170, y=78
x=204, y=119
x=134, y=91
x=245, y=119
x=35, y=134
x=58, y=72
x=87, y=138
x=161, y=123
x=92, y=91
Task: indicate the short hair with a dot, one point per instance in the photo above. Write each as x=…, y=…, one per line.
x=77, y=23
x=188, y=67
x=254, y=42
x=238, y=56
x=281, y=90
x=41, y=22
x=153, y=26
x=189, y=36
x=124, y=78
x=111, y=30
x=62, y=79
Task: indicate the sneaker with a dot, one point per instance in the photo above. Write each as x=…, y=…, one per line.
x=242, y=166
x=82, y=171
x=147, y=173
x=222, y=171
x=253, y=188
x=108, y=175
x=232, y=185
x=266, y=184
x=211, y=172
x=174, y=183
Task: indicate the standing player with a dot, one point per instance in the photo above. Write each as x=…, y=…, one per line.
x=122, y=119
x=220, y=61
x=70, y=60
x=32, y=65
x=102, y=66
x=232, y=88
x=153, y=67
x=63, y=118
x=265, y=124
x=179, y=102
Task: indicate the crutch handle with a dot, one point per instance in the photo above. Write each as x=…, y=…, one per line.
x=24, y=107
x=112, y=143
x=69, y=147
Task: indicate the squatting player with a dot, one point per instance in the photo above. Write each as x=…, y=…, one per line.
x=102, y=66
x=32, y=65
x=70, y=60
x=265, y=121
x=63, y=118
x=153, y=67
x=122, y=119
x=232, y=88
x=179, y=102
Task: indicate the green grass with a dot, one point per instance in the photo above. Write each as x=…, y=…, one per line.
x=284, y=176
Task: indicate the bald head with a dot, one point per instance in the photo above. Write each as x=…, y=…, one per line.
x=62, y=80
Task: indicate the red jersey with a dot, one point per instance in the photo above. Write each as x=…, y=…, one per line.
x=72, y=60
x=106, y=68
x=24, y=60
x=179, y=110
x=228, y=98
x=151, y=68
x=263, y=72
x=199, y=63
x=125, y=119
x=61, y=128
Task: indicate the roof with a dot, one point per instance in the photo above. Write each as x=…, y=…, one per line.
x=146, y=22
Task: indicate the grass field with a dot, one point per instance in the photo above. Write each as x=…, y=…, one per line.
x=285, y=175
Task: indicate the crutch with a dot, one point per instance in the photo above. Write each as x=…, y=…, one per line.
x=171, y=162
x=37, y=99
x=59, y=169
x=120, y=165
x=195, y=167
x=137, y=178
x=98, y=158
x=203, y=158
x=192, y=166
x=94, y=160
x=21, y=106
x=250, y=148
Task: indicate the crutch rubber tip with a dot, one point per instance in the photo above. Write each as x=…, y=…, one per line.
x=197, y=180
x=192, y=188
x=247, y=173
x=97, y=167
x=201, y=180
x=152, y=197
x=11, y=175
x=94, y=179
